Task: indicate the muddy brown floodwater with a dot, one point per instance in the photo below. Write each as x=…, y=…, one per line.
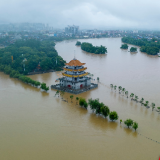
x=35, y=125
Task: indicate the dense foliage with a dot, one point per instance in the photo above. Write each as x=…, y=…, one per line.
x=88, y=47
x=124, y=46
x=135, y=125
x=133, y=49
x=83, y=103
x=78, y=43
x=113, y=115
x=150, y=47
x=128, y=122
x=99, y=108
x=43, y=86
x=15, y=74
x=28, y=54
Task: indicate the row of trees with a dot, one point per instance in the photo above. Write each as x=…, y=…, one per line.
x=95, y=105
x=150, y=47
x=133, y=97
x=88, y=47
x=99, y=108
x=130, y=122
x=15, y=74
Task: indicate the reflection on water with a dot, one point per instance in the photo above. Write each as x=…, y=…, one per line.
x=38, y=125
x=102, y=123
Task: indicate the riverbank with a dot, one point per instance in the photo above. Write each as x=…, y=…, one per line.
x=41, y=72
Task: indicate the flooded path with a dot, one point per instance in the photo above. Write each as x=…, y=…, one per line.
x=36, y=125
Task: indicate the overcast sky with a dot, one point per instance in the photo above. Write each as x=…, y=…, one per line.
x=104, y=14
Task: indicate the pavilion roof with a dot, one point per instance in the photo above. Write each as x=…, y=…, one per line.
x=75, y=62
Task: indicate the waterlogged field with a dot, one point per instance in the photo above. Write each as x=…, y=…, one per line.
x=37, y=125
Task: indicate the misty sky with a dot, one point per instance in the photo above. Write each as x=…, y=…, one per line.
x=135, y=14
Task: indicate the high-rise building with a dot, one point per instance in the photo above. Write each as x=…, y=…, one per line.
x=72, y=29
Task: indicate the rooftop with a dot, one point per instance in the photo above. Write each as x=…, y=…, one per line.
x=75, y=62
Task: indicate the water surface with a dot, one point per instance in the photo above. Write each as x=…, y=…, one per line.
x=36, y=125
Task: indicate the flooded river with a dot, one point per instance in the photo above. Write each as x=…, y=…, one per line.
x=35, y=125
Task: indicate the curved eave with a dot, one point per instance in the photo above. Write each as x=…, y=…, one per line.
x=75, y=70
x=68, y=75
x=73, y=64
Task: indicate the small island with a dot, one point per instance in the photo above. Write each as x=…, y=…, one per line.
x=78, y=43
x=133, y=49
x=88, y=47
x=124, y=46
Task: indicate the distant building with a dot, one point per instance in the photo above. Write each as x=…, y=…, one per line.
x=72, y=29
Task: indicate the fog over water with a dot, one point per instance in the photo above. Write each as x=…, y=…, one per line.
x=36, y=125
x=140, y=14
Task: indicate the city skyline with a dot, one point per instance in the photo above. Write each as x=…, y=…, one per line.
x=87, y=14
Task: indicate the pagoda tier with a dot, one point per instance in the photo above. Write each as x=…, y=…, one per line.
x=75, y=63
x=75, y=75
x=75, y=70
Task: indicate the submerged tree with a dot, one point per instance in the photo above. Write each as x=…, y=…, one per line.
x=131, y=95
x=120, y=88
x=78, y=43
x=123, y=90
x=71, y=97
x=126, y=93
x=133, y=49
x=83, y=103
x=111, y=85
x=113, y=115
x=142, y=100
x=136, y=98
x=135, y=125
x=124, y=46
x=43, y=86
x=98, y=108
x=105, y=111
x=115, y=87
x=153, y=106
x=128, y=122
x=146, y=104
x=77, y=98
x=93, y=103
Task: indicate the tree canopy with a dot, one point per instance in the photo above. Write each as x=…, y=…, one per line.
x=128, y=122
x=133, y=49
x=150, y=47
x=29, y=54
x=113, y=116
x=88, y=47
x=78, y=43
x=83, y=103
x=135, y=125
x=124, y=46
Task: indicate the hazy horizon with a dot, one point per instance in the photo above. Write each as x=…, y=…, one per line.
x=118, y=14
